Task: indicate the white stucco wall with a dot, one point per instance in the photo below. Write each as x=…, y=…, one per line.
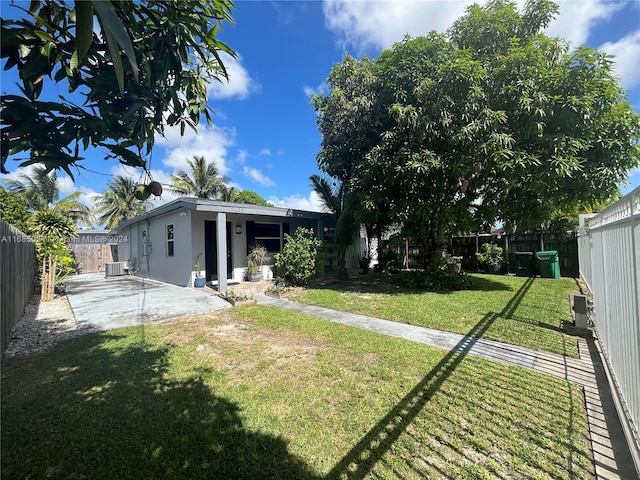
x=146, y=241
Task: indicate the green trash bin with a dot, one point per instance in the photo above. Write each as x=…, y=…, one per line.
x=548, y=264
x=524, y=264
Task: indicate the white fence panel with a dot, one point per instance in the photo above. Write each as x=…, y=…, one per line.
x=609, y=252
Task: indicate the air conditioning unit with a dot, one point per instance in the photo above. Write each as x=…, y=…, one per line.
x=114, y=269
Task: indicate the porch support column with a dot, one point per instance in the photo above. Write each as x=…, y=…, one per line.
x=320, y=227
x=221, y=241
x=320, y=235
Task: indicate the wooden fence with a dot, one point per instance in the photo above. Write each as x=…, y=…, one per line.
x=565, y=244
x=17, y=272
x=91, y=258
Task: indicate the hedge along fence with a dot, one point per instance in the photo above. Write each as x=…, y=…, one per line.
x=17, y=273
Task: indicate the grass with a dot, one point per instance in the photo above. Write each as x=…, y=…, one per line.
x=262, y=393
x=525, y=312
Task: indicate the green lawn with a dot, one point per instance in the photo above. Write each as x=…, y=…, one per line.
x=263, y=393
x=516, y=310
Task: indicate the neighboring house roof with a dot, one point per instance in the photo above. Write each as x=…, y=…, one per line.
x=215, y=206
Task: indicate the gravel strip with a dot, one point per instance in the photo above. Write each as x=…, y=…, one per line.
x=43, y=325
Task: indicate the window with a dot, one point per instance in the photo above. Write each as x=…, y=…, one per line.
x=170, y=240
x=268, y=234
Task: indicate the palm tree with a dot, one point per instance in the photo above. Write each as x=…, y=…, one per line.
x=41, y=193
x=51, y=231
x=202, y=182
x=229, y=194
x=118, y=203
x=334, y=199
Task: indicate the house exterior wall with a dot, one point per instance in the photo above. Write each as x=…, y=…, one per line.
x=144, y=241
x=239, y=241
x=147, y=248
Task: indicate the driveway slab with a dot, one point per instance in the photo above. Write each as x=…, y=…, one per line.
x=124, y=301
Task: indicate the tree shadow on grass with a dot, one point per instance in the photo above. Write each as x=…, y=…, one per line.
x=102, y=406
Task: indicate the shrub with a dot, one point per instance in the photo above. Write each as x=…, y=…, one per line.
x=436, y=278
x=302, y=256
x=490, y=254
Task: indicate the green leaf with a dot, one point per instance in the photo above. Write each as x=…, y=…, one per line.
x=112, y=25
x=114, y=51
x=84, y=28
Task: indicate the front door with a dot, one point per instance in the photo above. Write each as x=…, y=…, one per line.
x=211, y=250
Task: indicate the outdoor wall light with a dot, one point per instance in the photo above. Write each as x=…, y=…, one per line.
x=238, y=229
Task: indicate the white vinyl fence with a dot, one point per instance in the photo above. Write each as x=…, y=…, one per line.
x=609, y=253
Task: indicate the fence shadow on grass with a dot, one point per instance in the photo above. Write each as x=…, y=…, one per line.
x=112, y=409
x=371, y=448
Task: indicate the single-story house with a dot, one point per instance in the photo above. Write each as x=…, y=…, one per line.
x=163, y=243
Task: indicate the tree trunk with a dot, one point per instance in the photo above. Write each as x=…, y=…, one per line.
x=44, y=278
x=48, y=278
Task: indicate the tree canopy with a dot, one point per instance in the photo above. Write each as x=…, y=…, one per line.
x=491, y=121
x=202, y=181
x=132, y=68
x=13, y=209
x=118, y=203
x=40, y=192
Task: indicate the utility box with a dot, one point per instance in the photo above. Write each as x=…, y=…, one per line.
x=581, y=311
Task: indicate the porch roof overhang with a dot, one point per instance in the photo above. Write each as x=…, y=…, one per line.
x=216, y=206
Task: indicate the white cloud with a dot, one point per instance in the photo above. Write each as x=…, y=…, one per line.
x=576, y=18
x=361, y=24
x=321, y=89
x=258, y=176
x=211, y=142
x=382, y=23
x=627, y=53
x=68, y=187
x=311, y=203
x=241, y=158
x=239, y=84
x=265, y=152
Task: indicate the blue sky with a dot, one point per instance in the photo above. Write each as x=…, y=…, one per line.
x=265, y=137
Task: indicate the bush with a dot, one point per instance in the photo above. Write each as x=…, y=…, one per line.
x=436, y=278
x=302, y=256
x=490, y=255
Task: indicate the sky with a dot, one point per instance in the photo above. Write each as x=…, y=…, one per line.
x=265, y=136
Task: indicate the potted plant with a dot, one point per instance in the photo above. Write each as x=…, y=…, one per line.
x=252, y=271
x=258, y=256
x=490, y=256
x=453, y=263
x=199, y=281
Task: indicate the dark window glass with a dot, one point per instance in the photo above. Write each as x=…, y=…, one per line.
x=272, y=244
x=170, y=240
x=266, y=230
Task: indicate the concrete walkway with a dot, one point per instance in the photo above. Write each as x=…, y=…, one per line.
x=124, y=301
x=611, y=453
